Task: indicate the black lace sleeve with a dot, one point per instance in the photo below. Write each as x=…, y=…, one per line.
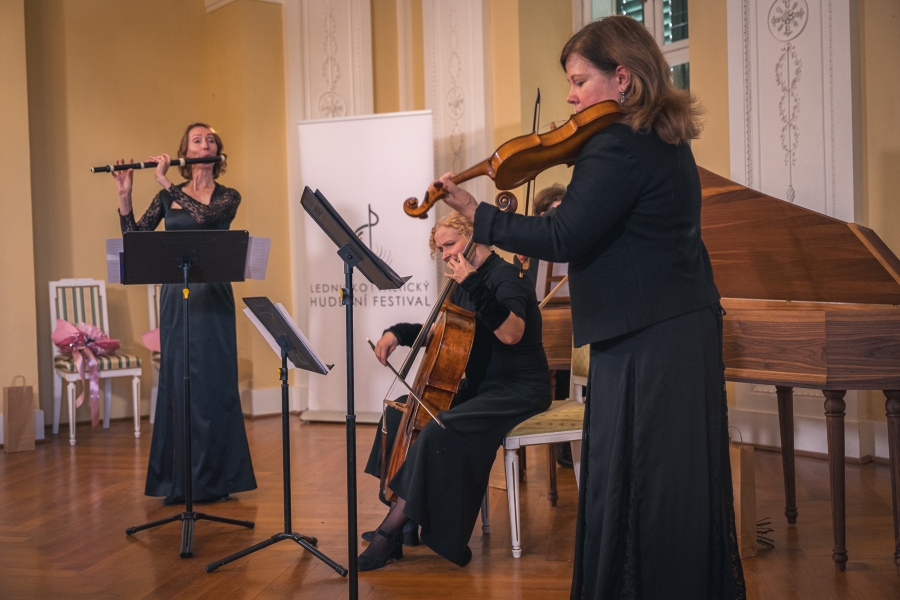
x=149, y=221
x=222, y=207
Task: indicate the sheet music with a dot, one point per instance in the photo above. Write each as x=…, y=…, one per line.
x=257, y=258
x=274, y=345
x=114, y=248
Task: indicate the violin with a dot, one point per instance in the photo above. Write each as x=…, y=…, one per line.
x=523, y=158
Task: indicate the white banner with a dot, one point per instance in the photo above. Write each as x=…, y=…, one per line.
x=366, y=167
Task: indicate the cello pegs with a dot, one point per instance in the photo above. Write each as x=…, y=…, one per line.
x=411, y=207
x=507, y=202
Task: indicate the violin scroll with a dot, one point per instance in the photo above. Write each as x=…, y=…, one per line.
x=507, y=202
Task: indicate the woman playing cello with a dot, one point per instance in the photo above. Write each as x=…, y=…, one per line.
x=445, y=476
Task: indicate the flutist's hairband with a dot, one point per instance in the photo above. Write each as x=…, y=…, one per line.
x=178, y=162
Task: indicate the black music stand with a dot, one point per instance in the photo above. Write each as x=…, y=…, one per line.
x=184, y=257
x=354, y=253
x=302, y=356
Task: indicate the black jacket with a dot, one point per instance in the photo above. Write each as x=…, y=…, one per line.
x=629, y=227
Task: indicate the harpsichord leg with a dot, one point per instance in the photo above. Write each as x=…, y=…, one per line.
x=892, y=409
x=786, y=423
x=835, y=409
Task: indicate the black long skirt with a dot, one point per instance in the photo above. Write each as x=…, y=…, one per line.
x=446, y=472
x=219, y=450
x=655, y=508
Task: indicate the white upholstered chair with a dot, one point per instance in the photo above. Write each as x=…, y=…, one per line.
x=84, y=301
x=561, y=423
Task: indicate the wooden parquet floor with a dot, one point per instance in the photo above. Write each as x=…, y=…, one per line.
x=64, y=511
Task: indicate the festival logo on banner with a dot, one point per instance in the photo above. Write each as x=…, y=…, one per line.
x=325, y=295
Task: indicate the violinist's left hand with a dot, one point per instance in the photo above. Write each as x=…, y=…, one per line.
x=458, y=199
x=460, y=268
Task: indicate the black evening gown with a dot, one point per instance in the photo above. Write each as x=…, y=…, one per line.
x=655, y=515
x=220, y=453
x=446, y=472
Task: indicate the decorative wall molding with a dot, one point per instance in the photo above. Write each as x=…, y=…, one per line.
x=457, y=86
x=794, y=106
x=328, y=73
x=329, y=58
x=212, y=5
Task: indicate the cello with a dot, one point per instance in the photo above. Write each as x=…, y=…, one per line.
x=447, y=335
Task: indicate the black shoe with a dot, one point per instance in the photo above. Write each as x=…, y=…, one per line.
x=564, y=456
x=410, y=534
x=172, y=500
x=365, y=563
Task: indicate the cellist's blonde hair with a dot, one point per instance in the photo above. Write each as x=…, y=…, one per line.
x=453, y=221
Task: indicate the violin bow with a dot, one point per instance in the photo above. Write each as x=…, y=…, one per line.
x=535, y=122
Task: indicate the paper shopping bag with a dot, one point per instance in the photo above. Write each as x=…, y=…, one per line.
x=18, y=417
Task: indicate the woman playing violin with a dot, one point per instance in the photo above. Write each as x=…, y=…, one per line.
x=655, y=514
x=445, y=476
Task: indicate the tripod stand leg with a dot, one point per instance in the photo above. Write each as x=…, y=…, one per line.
x=247, y=524
x=265, y=543
x=302, y=540
x=132, y=530
x=187, y=535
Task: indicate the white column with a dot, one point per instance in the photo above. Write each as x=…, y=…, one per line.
x=328, y=73
x=457, y=86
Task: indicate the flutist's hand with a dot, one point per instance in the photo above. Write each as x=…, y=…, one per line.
x=124, y=180
x=385, y=346
x=162, y=167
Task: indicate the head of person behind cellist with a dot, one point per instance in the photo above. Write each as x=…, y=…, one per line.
x=444, y=475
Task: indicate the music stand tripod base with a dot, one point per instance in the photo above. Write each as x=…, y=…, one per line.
x=269, y=317
x=187, y=528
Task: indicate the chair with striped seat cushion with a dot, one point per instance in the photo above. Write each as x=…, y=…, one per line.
x=562, y=422
x=153, y=293
x=84, y=301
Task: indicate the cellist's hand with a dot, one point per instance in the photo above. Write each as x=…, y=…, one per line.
x=385, y=346
x=457, y=198
x=460, y=268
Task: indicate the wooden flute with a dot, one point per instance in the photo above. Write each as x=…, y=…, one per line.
x=176, y=162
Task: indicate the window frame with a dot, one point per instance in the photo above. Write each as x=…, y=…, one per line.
x=675, y=53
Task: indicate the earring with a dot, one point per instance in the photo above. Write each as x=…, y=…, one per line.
x=622, y=98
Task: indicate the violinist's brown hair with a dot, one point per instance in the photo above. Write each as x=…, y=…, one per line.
x=218, y=168
x=453, y=220
x=652, y=101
